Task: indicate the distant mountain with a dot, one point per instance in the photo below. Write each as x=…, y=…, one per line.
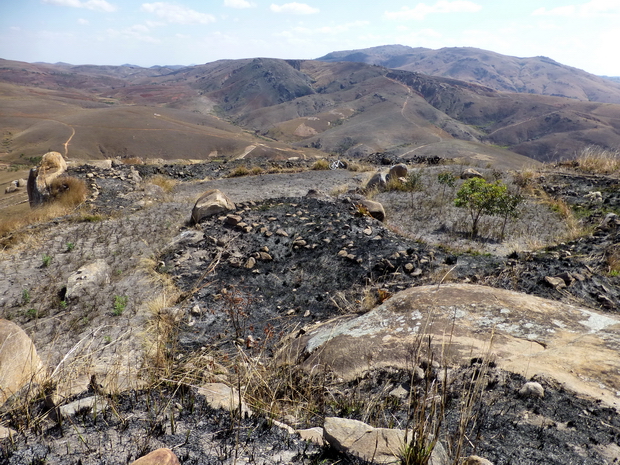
x=288, y=108
x=537, y=75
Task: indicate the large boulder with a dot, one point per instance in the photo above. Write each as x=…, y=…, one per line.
x=398, y=171
x=19, y=361
x=40, y=178
x=212, y=202
x=530, y=335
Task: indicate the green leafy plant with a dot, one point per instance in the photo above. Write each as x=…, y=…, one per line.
x=47, y=259
x=120, y=303
x=70, y=246
x=26, y=296
x=480, y=197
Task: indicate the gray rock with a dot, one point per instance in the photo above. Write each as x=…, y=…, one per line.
x=398, y=171
x=87, y=279
x=532, y=389
x=211, y=202
x=471, y=173
x=375, y=209
x=39, y=179
x=377, y=180
x=88, y=403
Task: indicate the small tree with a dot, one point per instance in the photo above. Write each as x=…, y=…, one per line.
x=508, y=207
x=480, y=197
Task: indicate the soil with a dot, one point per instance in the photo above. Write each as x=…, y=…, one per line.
x=294, y=259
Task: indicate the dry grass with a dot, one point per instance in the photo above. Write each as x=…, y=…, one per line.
x=360, y=167
x=598, y=160
x=239, y=171
x=132, y=161
x=574, y=228
x=166, y=183
x=68, y=191
x=612, y=259
x=320, y=165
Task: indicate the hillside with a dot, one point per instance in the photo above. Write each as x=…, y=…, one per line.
x=536, y=75
x=286, y=109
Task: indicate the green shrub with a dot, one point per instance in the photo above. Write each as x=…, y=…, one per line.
x=120, y=303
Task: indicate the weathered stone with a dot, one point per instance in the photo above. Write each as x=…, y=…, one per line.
x=221, y=396
x=264, y=256
x=158, y=457
x=19, y=361
x=532, y=389
x=381, y=445
x=314, y=435
x=212, y=202
x=39, y=179
x=398, y=171
x=233, y=220
x=6, y=432
x=87, y=278
x=377, y=180
x=250, y=263
x=21, y=182
x=10, y=189
x=575, y=346
x=476, y=460
x=375, y=209
x=471, y=173
x=88, y=403
x=281, y=232
x=556, y=283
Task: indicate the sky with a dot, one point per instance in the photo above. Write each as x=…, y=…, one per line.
x=580, y=33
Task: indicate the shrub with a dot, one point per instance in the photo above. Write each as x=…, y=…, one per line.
x=480, y=197
x=166, y=183
x=320, y=165
x=238, y=172
x=120, y=303
x=68, y=191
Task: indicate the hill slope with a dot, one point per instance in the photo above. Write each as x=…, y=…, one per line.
x=537, y=75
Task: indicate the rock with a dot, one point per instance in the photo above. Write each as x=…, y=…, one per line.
x=250, y=263
x=158, y=457
x=567, y=278
x=314, y=435
x=595, y=197
x=556, y=283
x=87, y=279
x=10, y=189
x=398, y=171
x=475, y=460
x=134, y=175
x=212, y=202
x=532, y=389
x=22, y=182
x=6, y=432
x=221, y=396
x=378, y=180
x=88, y=403
x=610, y=222
x=233, y=220
x=39, y=179
x=375, y=209
x=381, y=445
x=470, y=173
x=101, y=164
x=19, y=361
x=281, y=232
x=575, y=346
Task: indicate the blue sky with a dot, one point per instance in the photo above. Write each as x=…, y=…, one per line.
x=580, y=33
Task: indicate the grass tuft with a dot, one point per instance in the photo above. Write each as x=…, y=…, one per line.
x=320, y=165
x=598, y=160
x=166, y=183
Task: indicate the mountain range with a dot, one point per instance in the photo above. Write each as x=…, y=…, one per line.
x=410, y=102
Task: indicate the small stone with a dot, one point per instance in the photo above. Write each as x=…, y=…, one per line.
x=196, y=311
x=281, y=232
x=343, y=253
x=556, y=283
x=233, y=220
x=250, y=263
x=158, y=457
x=409, y=267
x=532, y=389
x=368, y=231
x=476, y=460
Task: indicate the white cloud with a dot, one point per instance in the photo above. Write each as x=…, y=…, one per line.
x=135, y=32
x=591, y=8
x=337, y=29
x=421, y=10
x=294, y=8
x=177, y=13
x=83, y=22
x=98, y=5
x=239, y=4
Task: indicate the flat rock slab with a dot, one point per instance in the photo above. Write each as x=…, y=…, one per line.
x=528, y=335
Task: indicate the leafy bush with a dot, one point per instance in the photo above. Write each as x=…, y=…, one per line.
x=480, y=197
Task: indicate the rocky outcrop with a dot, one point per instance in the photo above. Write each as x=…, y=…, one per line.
x=212, y=202
x=378, y=180
x=471, y=173
x=398, y=171
x=528, y=335
x=375, y=209
x=39, y=179
x=19, y=361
